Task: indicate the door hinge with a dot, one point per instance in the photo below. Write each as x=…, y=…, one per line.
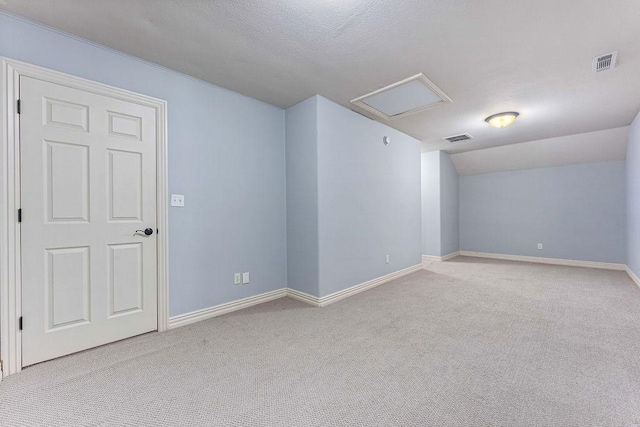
x=18, y=106
x=20, y=215
x=20, y=323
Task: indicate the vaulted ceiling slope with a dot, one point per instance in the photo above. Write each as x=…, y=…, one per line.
x=599, y=146
x=488, y=56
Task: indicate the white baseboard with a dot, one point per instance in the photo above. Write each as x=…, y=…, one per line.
x=554, y=261
x=304, y=297
x=207, y=313
x=346, y=293
x=633, y=276
x=451, y=255
x=434, y=258
x=217, y=310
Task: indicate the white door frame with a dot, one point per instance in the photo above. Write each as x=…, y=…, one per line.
x=10, y=251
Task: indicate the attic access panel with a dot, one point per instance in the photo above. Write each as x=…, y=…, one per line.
x=403, y=98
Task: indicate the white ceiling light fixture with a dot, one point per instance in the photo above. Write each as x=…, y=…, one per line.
x=408, y=96
x=502, y=120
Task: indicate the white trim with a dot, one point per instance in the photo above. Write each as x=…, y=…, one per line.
x=540, y=260
x=427, y=259
x=10, y=309
x=633, y=276
x=218, y=310
x=449, y=256
x=10, y=289
x=304, y=297
x=431, y=258
x=346, y=293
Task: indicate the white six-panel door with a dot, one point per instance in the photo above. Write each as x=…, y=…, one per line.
x=88, y=173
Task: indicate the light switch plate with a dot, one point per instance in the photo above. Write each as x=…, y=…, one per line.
x=177, y=200
x=245, y=278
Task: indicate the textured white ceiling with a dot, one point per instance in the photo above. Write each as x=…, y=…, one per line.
x=599, y=146
x=532, y=56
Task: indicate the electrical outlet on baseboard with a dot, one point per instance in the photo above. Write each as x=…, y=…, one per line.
x=237, y=278
x=245, y=278
x=386, y=258
x=540, y=246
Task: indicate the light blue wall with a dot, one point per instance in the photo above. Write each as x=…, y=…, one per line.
x=302, y=196
x=577, y=212
x=226, y=155
x=439, y=204
x=431, y=227
x=449, y=240
x=368, y=198
x=633, y=197
x=351, y=200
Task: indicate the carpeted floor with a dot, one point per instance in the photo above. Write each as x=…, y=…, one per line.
x=470, y=342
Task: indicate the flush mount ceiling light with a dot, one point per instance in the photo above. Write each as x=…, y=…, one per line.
x=501, y=120
x=405, y=97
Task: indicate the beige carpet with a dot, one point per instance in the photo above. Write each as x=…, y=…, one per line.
x=468, y=343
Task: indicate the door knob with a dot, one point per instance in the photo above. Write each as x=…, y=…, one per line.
x=147, y=231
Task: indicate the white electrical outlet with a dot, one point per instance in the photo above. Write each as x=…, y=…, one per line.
x=539, y=245
x=237, y=278
x=386, y=258
x=245, y=278
x=177, y=200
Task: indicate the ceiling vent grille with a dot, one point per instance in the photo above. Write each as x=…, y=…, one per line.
x=458, y=138
x=604, y=62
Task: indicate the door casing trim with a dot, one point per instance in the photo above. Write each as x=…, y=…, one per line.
x=10, y=250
